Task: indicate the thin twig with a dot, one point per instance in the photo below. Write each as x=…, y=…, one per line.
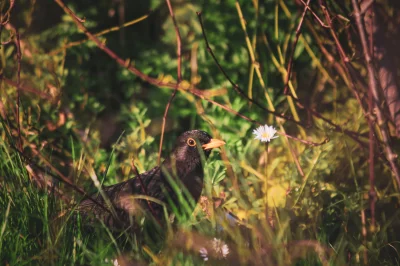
x=331, y=59
x=390, y=155
x=315, y=15
x=329, y=21
x=342, y=54
x=10, y=39
x=102, y=46
x=234, y=85
x=364, y=234
x=296, y=39
x=258, y=123
x=6, y=18
x=116, y=28
x=354, y=135
x=372, y=193
x=365, y=5
x=27, y=89
x=179, y=76
x=19, y=56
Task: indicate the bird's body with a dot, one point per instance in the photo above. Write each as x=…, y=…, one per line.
x=166, y=183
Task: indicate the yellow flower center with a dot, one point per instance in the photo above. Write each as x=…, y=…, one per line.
x=265, y=135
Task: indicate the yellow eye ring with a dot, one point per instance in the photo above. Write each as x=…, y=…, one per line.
x=191, y=142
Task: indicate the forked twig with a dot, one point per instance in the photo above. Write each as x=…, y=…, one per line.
x=6, y=18
x=343, y=56
x=296, y=39
x=315, y=15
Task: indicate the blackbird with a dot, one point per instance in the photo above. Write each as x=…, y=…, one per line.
x=182, y=168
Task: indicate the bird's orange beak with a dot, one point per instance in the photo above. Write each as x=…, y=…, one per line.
x=214, y=143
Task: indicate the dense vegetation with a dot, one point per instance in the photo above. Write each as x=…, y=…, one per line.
x=84, y=88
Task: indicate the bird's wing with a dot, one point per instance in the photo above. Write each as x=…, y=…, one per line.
x=121, y=195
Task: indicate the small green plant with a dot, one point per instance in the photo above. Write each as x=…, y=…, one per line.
x=83, y=93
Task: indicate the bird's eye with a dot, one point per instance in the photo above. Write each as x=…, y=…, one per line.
x=191, y=142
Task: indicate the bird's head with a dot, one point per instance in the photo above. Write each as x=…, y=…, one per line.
x=191, y=144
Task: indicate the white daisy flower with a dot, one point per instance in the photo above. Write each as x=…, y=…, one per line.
x=204, y=254
x=265, y=133
x=220, y=247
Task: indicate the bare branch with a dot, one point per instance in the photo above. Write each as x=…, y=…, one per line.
x=19, y=56
x=315, y=15
x=296, y=39
x=390, y=155
x=365, y=5
x=179, y=75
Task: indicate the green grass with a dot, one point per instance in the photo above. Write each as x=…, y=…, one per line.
x=316, y=225
x=297, y=204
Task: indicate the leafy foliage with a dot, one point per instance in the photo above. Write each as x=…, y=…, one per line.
x=293, y=203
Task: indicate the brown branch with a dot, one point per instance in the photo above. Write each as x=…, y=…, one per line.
x=125, y=63
x=19, y=56
x=331, y=59
x=258, y=123
x=179, y=75
x=365, y=5
x=352, y=134
x=364, y=234
x=315, y=15
x=372, y=193
x=390, y=155
x=10, y=39
x=6, y=18
x=371, y=106
x=27, y=89
x=343, y=56
x=296, y=39
x=103, y=32
x=349, y=70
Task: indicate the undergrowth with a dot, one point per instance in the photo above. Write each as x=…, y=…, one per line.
x=302, y=199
